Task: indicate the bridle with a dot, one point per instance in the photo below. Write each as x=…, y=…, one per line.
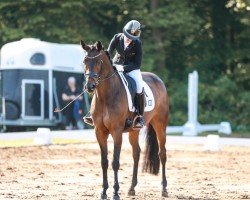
x=96, y=76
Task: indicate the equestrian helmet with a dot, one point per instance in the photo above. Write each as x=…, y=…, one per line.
x=132, y=30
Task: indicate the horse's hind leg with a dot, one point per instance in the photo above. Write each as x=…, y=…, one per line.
x=160, y=129
x=102, y=140
x=133, y=139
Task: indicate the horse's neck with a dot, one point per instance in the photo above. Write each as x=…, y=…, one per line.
x=109, y=88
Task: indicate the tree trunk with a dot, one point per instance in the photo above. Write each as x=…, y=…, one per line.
x=157, y=39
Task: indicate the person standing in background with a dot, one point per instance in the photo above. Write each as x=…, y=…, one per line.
x=74, y=111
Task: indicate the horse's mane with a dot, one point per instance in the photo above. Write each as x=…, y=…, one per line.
x=108, y=55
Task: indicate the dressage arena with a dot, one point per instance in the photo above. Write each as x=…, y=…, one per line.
x=73, y=171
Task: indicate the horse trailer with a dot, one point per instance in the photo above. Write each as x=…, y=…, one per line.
x=33, y=74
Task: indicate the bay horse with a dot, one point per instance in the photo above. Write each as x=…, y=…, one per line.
x=109, y=110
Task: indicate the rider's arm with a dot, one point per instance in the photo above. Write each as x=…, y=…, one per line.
x=136, y=64
x=113, y=43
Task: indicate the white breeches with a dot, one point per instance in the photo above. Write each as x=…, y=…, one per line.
x=136, y=75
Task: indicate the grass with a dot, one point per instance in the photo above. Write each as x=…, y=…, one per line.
x=16, y=143
x=30, y=142
x=233, y=135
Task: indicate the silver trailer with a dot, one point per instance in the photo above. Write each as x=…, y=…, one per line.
x=33, y=74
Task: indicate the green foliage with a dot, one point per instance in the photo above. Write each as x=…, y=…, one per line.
x=209, y=36
x=223, y=100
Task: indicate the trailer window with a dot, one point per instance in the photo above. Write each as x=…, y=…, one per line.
x=37, y=59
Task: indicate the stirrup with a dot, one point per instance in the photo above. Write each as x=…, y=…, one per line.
x=138, y=122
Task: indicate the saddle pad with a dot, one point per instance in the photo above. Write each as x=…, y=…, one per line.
x=150, y=101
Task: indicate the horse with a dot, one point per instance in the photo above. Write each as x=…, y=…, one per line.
x=109, y=110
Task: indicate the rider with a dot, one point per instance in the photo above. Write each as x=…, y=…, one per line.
x=128, y=59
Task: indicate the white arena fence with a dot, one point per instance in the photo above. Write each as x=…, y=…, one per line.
x=192, y=127
x=43, y=136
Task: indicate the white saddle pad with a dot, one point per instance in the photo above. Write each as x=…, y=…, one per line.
x=150, y=101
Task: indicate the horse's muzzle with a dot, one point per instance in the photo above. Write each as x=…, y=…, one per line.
x=90, y=87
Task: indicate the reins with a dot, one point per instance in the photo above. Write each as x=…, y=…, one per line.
x=104, y=79
x=60, y=110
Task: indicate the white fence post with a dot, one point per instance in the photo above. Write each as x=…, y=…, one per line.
x=191, y=127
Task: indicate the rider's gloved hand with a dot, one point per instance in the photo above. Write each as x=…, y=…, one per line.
x=119, y=68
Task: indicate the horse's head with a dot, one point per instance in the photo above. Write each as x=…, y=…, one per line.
x=92, y=64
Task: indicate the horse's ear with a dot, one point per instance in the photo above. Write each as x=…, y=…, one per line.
x=99, y=46
x=84, y=46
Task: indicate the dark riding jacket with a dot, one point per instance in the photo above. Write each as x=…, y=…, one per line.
x=131, y=57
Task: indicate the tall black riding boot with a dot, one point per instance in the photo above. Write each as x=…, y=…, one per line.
x=140, y=100
x=88, y=119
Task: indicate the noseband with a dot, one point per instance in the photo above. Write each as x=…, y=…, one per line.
x=96, y=76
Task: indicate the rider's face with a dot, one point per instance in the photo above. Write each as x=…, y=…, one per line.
x=127, y=40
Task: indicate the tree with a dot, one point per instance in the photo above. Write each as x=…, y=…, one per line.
x=209, y=36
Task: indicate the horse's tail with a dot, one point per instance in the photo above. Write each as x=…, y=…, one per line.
x=151, y=160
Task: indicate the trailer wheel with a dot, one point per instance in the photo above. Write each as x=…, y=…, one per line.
x=12, y=110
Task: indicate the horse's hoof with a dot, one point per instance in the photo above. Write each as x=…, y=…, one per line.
x=116, y=197
x=164, y=193
x=103, y=196
x=131, y=192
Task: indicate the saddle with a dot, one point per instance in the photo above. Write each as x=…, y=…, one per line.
x=130, y=87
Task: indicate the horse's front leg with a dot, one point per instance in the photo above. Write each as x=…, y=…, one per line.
x=117, y=137
x=102, y=140
x=133, y=139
